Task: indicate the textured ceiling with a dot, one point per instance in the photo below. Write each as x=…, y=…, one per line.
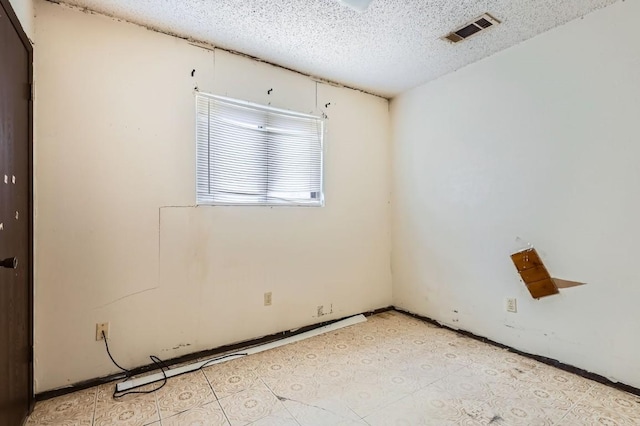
x=391, y=47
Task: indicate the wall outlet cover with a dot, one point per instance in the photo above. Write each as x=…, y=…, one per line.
x=100, y=327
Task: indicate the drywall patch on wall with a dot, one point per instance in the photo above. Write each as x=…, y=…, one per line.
x=116, y=147
x=550, y=153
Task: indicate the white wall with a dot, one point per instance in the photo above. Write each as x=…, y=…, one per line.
x=115, y=238
x=25, y=12
x=538, y=142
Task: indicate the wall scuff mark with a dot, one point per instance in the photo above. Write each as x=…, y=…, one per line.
x=125, y=297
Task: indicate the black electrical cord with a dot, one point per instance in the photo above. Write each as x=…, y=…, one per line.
x=113, y=360
x=206, y=364
x=157, y=361
x=161, y=365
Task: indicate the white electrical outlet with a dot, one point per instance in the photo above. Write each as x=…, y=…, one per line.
x=267, y=299
x=511, y=304
x=102, y=327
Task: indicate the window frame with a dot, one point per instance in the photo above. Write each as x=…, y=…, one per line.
x=323, y=133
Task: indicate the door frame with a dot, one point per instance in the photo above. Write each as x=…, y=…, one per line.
x=27, y=44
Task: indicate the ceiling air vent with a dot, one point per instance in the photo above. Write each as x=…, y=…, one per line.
x=476, y=26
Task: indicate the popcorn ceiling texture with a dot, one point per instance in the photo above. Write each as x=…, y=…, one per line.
x=393, y=46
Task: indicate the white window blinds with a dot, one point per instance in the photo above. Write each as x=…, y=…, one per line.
x=253, y=154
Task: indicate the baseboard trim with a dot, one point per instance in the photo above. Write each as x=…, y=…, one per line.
x=86, y=384
x=549, y=361
x=266, y=339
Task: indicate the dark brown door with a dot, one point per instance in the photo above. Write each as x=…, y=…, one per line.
x=16, y=305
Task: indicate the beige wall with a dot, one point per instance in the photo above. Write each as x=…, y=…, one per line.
x=536, y=144
x=25, y=11
x=117, y=236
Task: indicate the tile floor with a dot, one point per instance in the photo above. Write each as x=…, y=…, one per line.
x=391, y=370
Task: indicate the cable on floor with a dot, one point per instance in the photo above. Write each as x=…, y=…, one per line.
x=157, y=361
x=160, y=364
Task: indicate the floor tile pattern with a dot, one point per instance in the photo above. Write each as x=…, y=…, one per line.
x=391, y=370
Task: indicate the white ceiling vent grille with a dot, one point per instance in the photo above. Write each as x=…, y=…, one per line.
x=476, y=26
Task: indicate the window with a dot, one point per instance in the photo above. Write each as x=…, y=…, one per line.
x=258, y=155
